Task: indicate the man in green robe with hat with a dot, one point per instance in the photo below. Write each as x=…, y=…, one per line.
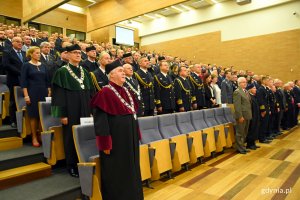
x=72, y=90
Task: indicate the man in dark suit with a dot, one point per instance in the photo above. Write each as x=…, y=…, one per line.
x=13, y=60
x=197, y=85
x=83, y=47
x=146, y=83
x=296, y=91
x=34, y=40
x=243, y=114
x=254, y=122
x=226, y=89
x=164, y=90
x=279, y=94
x=90, y=63
x=183, y=92
x=133, y=85
x=9, y=36
x=2, y=43
x=99, y=77
x=264, y=107
x=47, y=59
x=135, y=62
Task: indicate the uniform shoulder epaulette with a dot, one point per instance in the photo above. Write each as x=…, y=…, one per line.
x=195, y=82
x=95, y=82
x=147, y=85
x=159, y=83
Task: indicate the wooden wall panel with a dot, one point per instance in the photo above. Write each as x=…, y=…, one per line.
x=63, y=18
x=12, y=8
x=273, y=54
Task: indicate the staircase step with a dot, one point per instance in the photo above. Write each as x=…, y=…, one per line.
x=8, y=131
x=59, y=186
x=25, y=155
x=20, y=175
x=10, y=143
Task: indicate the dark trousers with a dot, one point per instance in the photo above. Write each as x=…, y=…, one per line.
x=296, y=115
x=275, y=123
x=12, y=105
x=149, y=112
x=280, y=120
x=253, y=132
x=264, y=127
x=69, y=147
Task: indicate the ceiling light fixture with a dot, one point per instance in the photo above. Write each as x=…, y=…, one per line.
x=186, y=7
x=178, y=9
x=149, y=16
x=159, y=15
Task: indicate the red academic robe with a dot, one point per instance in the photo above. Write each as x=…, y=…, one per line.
x=117, y=130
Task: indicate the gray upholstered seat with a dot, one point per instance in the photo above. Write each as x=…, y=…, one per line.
x=85, y=142
x=228, y=115
x=47, y=120
x=167, y=126
x=183, y=122
x=149, y=129
x=23, y=126
x=197, y=119
x=219, y=115
x=209, y=117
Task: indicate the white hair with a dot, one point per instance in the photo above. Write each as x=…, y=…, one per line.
x=240, y=79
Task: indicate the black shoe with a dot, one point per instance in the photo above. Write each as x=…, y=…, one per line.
x=73, y=172
x=251, y=147
x=241, y=152
x=257, y=146
x=247, y=150
x=13, y=125
x=264, y=141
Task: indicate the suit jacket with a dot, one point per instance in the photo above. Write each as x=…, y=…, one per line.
x=7, y=44
x=164, y=91
x=12, y=65
x=263, y=99
x=146, y=83
x=50, y=65
x=89, y=66
x=183, y=93
x=226, y=91
x=280, y=98
x=208, y=95
x=242, y=104
x=296, y=91
x=83, y=55
x=133, y=86
x=37, y=42
x=198, y=89
x=99, y=79
x=135, y=66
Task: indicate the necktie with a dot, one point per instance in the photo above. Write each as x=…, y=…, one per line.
x=20, y=56
x=47, y=58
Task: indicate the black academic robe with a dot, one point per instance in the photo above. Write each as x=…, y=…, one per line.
x=71, y=101
x=117, y=130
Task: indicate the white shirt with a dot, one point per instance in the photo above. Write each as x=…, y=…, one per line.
x=144, y=70
x=164, y=74
x=217, y=93
x=103, y=70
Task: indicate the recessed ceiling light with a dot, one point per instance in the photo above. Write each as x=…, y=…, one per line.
x=149, y=16
x=178, y=9
x=186, y=7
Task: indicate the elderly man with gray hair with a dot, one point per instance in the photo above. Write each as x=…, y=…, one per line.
x=117, y=136
x=243, y=114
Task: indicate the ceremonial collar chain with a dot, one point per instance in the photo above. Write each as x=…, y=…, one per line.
x=131, y=106
x=137, y=92
x=79, y=80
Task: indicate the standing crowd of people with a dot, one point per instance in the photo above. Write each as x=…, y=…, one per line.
x=143, y=84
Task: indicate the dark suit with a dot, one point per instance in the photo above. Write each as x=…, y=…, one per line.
x=83, y=55
x=263, y=101
x=183, y=94
x=135, y=66
x=296, y=91
x=132, y=85
x=12, y=65
x=242, y=106
x=154, y=70
x=288, y=116
x=35, y=42
x=198, y=89
x=50, y=65
x=146, y=83
x=164, y=93
x=2, y=71
x=279, y=94
x=89, y=66
x=208, y=95
x=226, y=91
x=254, y=122
x=99, y=79
x=7, y=44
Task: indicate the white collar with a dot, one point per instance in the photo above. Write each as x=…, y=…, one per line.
x=164, y=74
x=144, y=70
x=183, y=78
x=91, y=60
x=103, y=70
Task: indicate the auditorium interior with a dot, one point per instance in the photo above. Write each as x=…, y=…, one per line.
x=184, y=154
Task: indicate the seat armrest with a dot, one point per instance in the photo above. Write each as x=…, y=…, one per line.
x=216, y=132
x=172, y=149
x=94, y=158
x=204, y=138
x=152, y=152
x=190, y=142
x=86, y=171
x=47, y=137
